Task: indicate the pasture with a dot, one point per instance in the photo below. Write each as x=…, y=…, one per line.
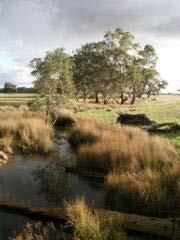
x=15, y=99
x=163, y=108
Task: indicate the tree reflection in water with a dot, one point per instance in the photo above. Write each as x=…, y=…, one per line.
x=53, y=182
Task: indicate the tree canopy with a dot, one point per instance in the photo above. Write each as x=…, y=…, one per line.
x=116, y=67
x=54, y=78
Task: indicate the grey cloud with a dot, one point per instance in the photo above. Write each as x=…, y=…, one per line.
x=91, y=17
x=29, y=28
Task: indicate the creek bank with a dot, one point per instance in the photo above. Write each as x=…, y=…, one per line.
x=147, y=225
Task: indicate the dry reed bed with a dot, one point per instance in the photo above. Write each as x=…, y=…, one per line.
x=24, y=130
x=140, y=168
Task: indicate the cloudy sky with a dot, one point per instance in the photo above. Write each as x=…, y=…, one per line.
x=29, y=28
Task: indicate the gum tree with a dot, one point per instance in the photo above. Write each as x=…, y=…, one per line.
x=54, y=79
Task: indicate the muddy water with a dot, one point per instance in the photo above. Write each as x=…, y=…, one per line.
x=41, y=181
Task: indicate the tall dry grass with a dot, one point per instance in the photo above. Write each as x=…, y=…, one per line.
x=86, y=132
x=127, y=149
x=34, y=231
x=63, y=118
x=22, y=129
x=141, y=169
x=88, y=226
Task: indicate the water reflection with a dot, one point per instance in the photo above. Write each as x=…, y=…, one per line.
x=53, y=182
x=58, y=186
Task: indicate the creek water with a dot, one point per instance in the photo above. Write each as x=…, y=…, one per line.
x=41, y=181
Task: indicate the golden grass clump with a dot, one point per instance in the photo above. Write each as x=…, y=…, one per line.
x=35, y=135
x=6, y=144
x=140, y=168
x=34, y=231
x=90, y=227
x=87, y=225
x=24, y=130
x=63, y=118
x=127, y=149
x=86, y=131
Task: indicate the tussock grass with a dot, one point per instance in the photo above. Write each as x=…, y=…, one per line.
x=63, y=118
x=34, y=231
x=86, y=132
x=25, y=130
x=142, y=170
x=88, y=226
x=127, y=149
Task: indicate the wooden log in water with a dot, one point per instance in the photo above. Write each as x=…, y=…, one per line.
x=59, y=214
x=85, y=172
x=166, y=228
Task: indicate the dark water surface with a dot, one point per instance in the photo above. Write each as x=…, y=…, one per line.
x=41, y=181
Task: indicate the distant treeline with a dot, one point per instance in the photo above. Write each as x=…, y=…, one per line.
x=10, y=87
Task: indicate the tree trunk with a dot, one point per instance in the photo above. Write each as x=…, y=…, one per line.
x=96, y=97
x=117, y=101
x=105, y=99
x=148, y=95
x=84, y=96
x=133, y=99
x=47, y=115
x=123, y=100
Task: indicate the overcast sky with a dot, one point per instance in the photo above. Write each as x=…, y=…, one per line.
x=29, y=28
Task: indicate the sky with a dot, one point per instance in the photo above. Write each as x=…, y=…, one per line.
x=30, y=28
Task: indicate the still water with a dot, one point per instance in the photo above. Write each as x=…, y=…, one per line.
x=41, y=181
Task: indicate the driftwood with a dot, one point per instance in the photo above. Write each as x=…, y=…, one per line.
x=166, y=228
x=164, y=128
x=134, y=119
x=145, y=123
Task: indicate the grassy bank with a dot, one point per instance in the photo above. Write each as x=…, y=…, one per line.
x=142, y=170
x=23, y=130
x=164, y=108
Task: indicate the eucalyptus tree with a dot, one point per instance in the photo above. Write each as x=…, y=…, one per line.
x=92, y=70
x=54, y=78
x=121, y=47
x=148, y=59
x=155, y=86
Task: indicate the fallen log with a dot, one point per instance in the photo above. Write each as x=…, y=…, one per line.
x=49, y=213
x=166, y=228
x=164, y=128
x=134, y=119
x=142, y=121
x=85, y=172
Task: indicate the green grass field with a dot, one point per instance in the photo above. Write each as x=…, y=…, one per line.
x=164, y=108
x=15, y=99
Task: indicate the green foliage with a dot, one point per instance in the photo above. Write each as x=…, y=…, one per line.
x=116, y=66
x=54, y=76
x=9, y=87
